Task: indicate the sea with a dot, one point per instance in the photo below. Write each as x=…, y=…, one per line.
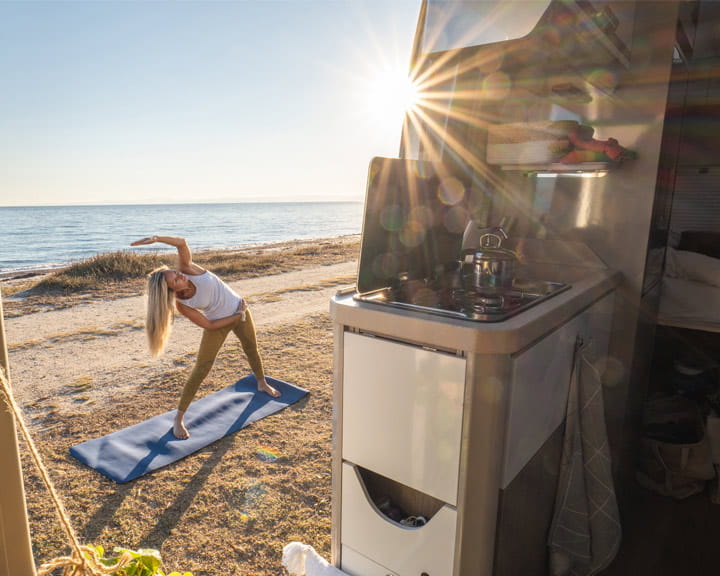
x=46, y=237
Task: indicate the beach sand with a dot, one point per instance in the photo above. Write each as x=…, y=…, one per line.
x=81, y=371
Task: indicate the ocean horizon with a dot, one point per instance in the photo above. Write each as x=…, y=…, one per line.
x=47, y=237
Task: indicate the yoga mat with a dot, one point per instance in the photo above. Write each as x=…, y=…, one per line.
x=131, y=452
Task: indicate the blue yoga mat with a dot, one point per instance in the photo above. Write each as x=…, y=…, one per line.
x=131, y=452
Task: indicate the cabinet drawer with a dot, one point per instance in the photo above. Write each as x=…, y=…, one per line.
x=356, y=564
x=428, y=549
x=402, y=412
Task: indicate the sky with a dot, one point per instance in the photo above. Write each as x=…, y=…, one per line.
x=115, y=102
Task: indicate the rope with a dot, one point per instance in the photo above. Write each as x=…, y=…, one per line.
x=84, y=560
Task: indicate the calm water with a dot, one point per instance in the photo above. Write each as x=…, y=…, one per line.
x=48, y=236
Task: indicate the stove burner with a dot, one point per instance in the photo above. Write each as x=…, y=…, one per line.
x=484, y=302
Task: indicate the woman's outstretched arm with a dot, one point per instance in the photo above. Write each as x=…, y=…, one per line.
x=197, y=317
x=185, y=263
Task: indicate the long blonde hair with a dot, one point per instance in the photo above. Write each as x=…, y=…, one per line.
x=160, y=307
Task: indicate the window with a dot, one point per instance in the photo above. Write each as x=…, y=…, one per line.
x=460, y=24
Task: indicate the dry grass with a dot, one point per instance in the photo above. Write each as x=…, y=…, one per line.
x=228, y=509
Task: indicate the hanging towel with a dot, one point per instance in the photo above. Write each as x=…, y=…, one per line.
x=301, y=559
x=585, y=532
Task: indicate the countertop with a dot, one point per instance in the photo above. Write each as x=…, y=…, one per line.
x=513, y=335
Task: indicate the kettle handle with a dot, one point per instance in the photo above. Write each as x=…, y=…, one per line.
x=486, y=240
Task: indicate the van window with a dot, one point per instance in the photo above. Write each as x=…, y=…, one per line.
x=452, y=24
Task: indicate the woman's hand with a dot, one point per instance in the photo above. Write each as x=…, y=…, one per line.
x=142, y=241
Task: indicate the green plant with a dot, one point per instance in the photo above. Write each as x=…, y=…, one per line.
x=142, y=562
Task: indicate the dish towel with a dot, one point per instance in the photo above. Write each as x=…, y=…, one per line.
x=585, y=531
x=301, y=559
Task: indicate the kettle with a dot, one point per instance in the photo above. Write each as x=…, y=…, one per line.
x=493, y=267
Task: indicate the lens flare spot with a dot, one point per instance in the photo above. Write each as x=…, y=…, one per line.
x=385, y=265
x=550, y=35
x=604, y=78
x=422, y=215
x=268, y=454
x=451, y=191
x=496, y=86
x=413, y=234
x=455, y=219
x=391, y=218
x=422, y=170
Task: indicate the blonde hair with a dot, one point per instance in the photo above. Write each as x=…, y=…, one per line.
x=160, y=306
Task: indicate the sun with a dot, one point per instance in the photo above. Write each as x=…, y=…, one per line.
x=391, y=94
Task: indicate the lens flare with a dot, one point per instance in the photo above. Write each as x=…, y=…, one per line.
x=268, y=454
x=451, y=191
x=391, y=218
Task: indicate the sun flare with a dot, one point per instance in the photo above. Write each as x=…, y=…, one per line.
x=391, y=95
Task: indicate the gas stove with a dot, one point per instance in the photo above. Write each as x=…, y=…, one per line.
x=457, y=301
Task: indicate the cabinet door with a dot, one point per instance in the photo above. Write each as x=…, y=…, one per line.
x=402, y=413
x=540, y=383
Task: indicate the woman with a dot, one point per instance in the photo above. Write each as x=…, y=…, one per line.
x=207, y=301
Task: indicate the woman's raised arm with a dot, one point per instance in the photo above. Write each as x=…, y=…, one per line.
x=185, y=263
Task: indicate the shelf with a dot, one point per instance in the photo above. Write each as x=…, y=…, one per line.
x=589, y=168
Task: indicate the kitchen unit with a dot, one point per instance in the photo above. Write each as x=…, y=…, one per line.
x=447, y=408
x=459, y=425
x=548, y=120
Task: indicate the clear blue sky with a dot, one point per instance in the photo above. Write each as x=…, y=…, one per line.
x=150, y=101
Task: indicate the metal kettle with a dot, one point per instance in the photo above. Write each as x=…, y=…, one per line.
x=493, y=267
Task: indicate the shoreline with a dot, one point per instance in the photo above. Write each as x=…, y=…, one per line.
x=25, y=274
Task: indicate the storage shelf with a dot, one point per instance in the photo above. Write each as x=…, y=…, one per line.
x=558, y=168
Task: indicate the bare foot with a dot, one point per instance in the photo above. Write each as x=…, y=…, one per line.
x=179, y=430
x=263, y=386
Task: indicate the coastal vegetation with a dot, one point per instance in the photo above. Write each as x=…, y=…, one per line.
x=118, y=274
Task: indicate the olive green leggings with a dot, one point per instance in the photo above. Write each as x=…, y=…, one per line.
x=212, y=341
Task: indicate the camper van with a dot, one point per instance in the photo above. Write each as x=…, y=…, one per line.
x=526, y=370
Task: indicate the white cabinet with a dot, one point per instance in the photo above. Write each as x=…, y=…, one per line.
x=402, y=413
x=454, y=438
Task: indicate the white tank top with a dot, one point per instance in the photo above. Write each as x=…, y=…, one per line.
x=212, y=296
